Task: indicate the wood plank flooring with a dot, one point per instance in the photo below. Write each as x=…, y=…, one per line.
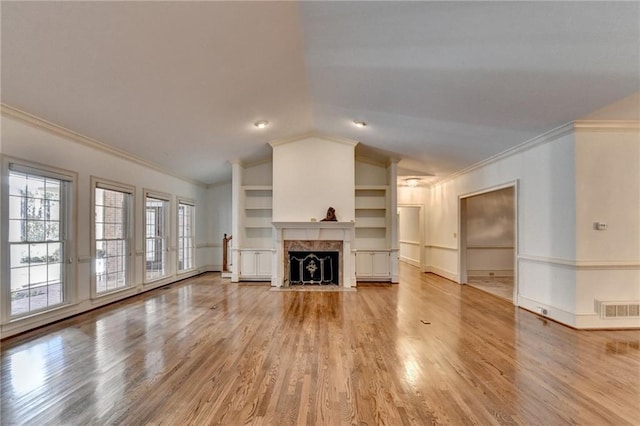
x=207, y=352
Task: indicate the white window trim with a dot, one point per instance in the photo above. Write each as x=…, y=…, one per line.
x=70, y=231
x=192, y=203
x=148, y=193
x=97, y=182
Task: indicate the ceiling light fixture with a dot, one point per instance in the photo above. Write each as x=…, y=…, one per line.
x=412, y=182
x=261, y=124
x=359, y=123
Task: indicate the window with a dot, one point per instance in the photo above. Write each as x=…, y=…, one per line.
x=37, y=239
x=156, y=212
x=186, y=239
x=112, y=236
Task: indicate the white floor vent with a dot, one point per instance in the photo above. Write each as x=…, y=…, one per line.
x=618, y=309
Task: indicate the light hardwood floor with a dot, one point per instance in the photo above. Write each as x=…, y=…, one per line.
x=208, y=352
x=498, y=286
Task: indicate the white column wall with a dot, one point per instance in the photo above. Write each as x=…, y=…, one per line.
x=310, y=175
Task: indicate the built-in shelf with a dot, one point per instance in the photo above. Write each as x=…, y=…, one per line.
x=371, y=198
x=257, y=215
x=371, y=217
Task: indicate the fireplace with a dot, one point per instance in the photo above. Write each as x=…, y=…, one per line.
x=313, y=268
x=300, y=249
x=328, y=242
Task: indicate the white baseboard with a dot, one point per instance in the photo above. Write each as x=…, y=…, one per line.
x=410, y=261
x=210, y=268
x=446, y=274
x=490, y=273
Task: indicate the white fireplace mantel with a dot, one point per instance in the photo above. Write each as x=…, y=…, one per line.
x=315, y=231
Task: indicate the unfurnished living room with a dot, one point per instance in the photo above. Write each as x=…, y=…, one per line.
x=319, y=213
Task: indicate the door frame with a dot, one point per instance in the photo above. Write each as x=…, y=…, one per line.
x=462, y=232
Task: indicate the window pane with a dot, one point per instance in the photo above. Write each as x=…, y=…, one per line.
x=155, y=238
x=37, y=254
x=52, y=231
x=52, y=189
x=111, y=239
x=17, y=230
x=54, y=210
x=35, y=230
x=19, y=278
x=18, y=184
x=35, y=185
x=35, y=208
x=37, y=275
x=19, y=255
x=15, y=207
x=35, y=217
x=54, y=251
x=19, y=302
x=55, y=294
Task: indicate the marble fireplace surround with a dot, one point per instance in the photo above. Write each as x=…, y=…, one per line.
x=314, y=236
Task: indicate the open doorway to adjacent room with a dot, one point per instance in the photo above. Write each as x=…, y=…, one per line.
x=411, y=234
x=488, y=241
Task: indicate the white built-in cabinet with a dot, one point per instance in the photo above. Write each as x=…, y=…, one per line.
x=252, y=215
x=256, y=229
x=373, y=222
x=255, y=264
x=372, y=265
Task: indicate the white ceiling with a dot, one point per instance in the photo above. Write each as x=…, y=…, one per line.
x=442, y=85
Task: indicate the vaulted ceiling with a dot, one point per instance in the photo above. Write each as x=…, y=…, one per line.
x=441, y=85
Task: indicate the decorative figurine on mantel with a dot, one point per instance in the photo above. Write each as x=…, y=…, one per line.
x=331, y=215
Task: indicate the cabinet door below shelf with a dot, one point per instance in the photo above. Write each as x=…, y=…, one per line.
x=380, y=264
x=255, y=265
x=263, y=263
x=372, y=264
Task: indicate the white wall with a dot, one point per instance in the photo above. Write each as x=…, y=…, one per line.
x=310, y=175
x=546, y=216
x=28, y=142
x=370, y=174
x=218, y=223
x=608, y=190
x=565, y=181
x=258, y=174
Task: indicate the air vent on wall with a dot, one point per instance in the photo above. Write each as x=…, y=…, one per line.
x=617, y=309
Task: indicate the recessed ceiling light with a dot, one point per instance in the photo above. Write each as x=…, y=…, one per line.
x=359, y=123
x=261, y=124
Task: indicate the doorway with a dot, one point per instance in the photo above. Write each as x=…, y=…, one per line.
x=488, y=241
x=411, y=235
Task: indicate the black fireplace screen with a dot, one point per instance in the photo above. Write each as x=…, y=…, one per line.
x=313, y=267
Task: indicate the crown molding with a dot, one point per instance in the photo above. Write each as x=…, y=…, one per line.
x=573, y=126
x=549, y=136
x=607, y=125
x=372, y=161
x=58, y=130
x=258, y=162
x=218, y=184
x=344, y=141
